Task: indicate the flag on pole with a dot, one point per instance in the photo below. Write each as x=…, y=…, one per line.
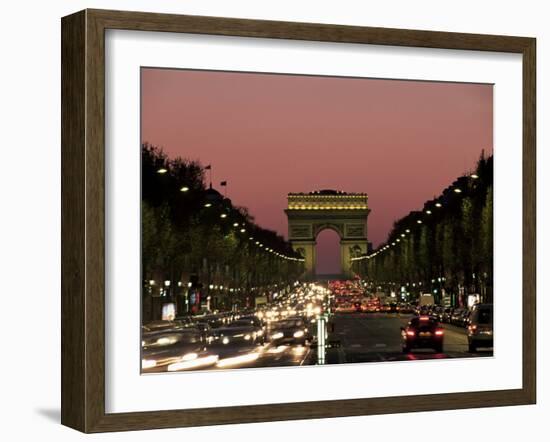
x=223, y=183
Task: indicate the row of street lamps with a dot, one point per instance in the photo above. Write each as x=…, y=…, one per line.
x=240, y=227
x=403, y=235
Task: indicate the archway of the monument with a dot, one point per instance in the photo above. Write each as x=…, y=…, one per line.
x=328, y=261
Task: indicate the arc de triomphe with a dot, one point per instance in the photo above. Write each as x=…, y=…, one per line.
x=310, y=213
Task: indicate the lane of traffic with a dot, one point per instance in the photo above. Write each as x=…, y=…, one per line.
x=377, y=337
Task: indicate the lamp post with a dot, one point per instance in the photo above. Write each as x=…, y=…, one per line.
x=189, y=285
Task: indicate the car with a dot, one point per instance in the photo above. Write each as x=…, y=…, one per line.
x=405, y=308
x=446, y=315
x=465, y=318
x=160, y=348
x=436, y=312
x=480, y=328
x=289, y=331
x=373, y=306
x=183, y=321
x=423, y=310
x=256, y=323
x=345, y=307
x=238, y=333
x=456, y=316
x=422, y=332
x=205, y=330
x=214, y=321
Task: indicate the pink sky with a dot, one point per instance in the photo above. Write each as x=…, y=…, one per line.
x=402, y=142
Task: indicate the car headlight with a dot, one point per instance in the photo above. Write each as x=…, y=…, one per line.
x=247, y=337
x=298, y=334
x=278, y=335
x=260, y=333
x=166, y=341
x=189, y=356
x=148, y=363
x=225, y=340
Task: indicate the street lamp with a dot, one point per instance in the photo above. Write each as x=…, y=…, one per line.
x=184, y=189
x=162, y=170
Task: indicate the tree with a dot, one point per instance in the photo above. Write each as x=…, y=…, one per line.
x=191, y=232
x=449, y=243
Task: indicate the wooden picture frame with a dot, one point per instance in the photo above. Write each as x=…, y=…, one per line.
x=83, y=220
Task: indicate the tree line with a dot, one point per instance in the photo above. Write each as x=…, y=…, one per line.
x=198, y=246
x=446, y=248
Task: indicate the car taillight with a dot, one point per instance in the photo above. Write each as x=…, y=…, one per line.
x=424, y=318
x=410, y=332
x=472, y=328
x=439, y=332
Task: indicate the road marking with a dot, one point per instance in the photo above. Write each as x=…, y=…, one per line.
x=355, y=345
x=380, y=345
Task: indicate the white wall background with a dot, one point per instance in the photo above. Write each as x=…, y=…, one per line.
x=30, y=215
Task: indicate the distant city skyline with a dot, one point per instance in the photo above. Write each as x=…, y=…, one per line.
x=401, y=142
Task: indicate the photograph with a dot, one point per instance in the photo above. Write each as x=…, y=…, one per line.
x=292, y=220
x=262, y=221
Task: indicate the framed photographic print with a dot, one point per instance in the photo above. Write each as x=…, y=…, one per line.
x=271, y=220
